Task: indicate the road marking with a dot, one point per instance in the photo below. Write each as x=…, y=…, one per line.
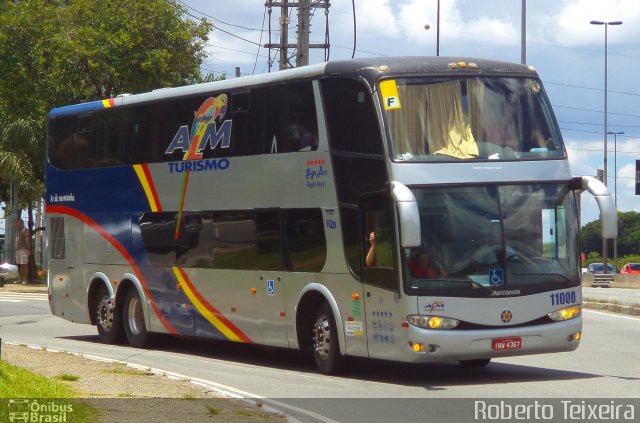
x=612, y=314
x=22, y=296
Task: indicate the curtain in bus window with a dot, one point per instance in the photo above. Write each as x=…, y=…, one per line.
x=475, y=100
x=409, y=124
x=449, y=132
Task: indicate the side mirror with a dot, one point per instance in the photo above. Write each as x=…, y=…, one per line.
x=608, y=213
x=408, y=214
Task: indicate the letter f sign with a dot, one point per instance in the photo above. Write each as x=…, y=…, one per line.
x=391, y=103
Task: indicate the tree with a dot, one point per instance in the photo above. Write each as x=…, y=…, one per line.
x=58, y=52
x=54, y=53
x=628, y=235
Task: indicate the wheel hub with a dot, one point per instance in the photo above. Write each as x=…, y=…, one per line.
x=105, y=313
x=322, y=338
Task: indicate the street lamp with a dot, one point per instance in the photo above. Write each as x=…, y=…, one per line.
x=615, y=187
x=606, y=25
x=427, y=27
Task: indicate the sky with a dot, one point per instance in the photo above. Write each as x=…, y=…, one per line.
x=566, y=50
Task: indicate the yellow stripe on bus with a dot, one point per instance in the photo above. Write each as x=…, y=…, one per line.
x=146, y=187
x=211, y=318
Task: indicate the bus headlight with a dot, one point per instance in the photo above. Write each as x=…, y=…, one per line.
x=566, y=313
x=432, y=322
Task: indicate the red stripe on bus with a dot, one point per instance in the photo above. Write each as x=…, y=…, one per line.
x=152, y=187
x=110, y=239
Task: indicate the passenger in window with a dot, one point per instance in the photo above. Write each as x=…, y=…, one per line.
x=370, y=260
x=423, y=267
x=303, y=139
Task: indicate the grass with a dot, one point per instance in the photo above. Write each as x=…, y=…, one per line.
x=127, y=371
x=18, y=383
x=68, y=377
x=213, y=411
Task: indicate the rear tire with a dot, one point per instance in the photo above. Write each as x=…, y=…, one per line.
x=133, y=320
x=107, y=317
x=481, y=362
x=326, y=348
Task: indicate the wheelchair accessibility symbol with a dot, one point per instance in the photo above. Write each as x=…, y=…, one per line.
x=496, y=277
x=271, y=288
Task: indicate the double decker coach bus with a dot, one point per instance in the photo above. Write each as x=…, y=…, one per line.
x=295, y=209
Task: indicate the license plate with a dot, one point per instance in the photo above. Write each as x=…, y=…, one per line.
x=506, y=344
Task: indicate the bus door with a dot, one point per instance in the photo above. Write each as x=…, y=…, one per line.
x=384, y=310
x=65, y=268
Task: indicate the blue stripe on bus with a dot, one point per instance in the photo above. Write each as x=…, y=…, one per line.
x=77, y=108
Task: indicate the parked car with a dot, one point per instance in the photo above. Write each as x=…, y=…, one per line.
x=598, y=268
x=8, y=271
x=631, y=269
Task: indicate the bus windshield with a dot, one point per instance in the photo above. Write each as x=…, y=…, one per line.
x=488, y=118
x=512, y=237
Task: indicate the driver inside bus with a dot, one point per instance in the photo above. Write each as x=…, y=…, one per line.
x=424, y=267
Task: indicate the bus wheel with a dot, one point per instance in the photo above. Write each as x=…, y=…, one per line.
x=107, y=317
x=481, y=362
x=326, y=350
x=133, y=316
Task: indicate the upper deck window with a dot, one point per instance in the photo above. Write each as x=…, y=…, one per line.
x=491, y=118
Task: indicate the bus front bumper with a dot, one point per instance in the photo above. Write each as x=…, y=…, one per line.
x=423, y=345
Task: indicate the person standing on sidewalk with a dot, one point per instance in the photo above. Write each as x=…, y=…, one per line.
x=23, y=250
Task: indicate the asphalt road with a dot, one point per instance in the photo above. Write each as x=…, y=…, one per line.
x=606, y=365
x=613, y=295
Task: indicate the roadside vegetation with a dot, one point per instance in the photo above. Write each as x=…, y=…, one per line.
x=628, y=240
x=22, y=385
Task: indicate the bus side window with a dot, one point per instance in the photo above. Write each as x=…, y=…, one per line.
x=378, y=258
x=291, y=123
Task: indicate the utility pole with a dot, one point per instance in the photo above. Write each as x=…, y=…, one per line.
x=304, y=27
x=302, y=44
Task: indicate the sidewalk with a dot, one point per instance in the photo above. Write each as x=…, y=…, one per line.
x=32, y=288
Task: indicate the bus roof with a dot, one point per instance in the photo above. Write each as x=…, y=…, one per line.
x=371, y=69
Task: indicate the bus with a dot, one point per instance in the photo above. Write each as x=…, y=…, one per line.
x=291, y=210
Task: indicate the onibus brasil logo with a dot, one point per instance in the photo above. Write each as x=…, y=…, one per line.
x=34, y=410
x=204, y=131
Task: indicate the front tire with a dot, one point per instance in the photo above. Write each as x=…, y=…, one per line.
x=107, y=317
x=326, y=349
x=133, y=319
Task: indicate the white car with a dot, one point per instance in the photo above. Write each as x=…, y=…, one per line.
x=8, y=271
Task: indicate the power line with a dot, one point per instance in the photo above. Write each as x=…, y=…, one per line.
x=217, y=19
x=598, y=124
x=590, y=88
x=594, y=111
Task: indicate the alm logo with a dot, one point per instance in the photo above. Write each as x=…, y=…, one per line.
x=435, y=306
x=204, y=130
